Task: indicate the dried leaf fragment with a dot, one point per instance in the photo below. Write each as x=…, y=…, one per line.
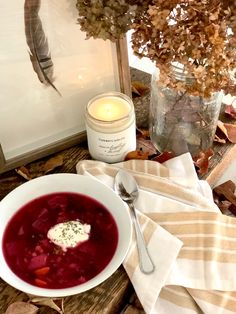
x=40, y=168
x=231, y=110
x=231, y=132
x=21, y=308
x=219, y=140
x=202, y=161
x=137, y=154
x=138, y=88
x=228, y=130
x=146, y=146
x=224, y=196
x=221, y=132
x=53, y=163
x=57, y=304
x=163, y=157
x=24, y=172
x=223, y=205
x=143, y=133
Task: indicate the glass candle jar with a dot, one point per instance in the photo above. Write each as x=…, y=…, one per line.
x=111, y=128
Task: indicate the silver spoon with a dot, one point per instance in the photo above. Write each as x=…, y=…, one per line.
x=127, y=188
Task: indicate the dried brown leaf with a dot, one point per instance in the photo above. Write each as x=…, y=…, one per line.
x=37, y=169
x=227, y=131
x=52, y=163
x=52, y=303
x=146, y=146
x=24, y=172
x=202, y=161
x=168, y=31
x=224, y=196
x=221, y=131
x=139, y=88
x=231, y=111
x=163, y=157
x=224, y=206
x=143, y=133
x=21, y=308
x=137, y=154
x=231, y=132
x=219, y=140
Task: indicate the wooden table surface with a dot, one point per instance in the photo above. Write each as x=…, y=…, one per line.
x=112, y=296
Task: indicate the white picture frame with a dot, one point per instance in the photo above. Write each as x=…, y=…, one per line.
x=41, y=117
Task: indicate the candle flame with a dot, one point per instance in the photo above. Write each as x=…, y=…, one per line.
x=109, y=109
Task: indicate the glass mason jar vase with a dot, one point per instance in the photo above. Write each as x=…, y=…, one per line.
x=179, y=122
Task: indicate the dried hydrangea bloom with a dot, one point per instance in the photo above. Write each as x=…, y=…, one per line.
x=106, y=19
x=198, y=34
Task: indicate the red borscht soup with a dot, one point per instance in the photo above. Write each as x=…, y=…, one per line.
x=37, y=260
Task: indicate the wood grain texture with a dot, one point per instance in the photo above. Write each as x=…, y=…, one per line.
x=123, y=66
x=107, y=298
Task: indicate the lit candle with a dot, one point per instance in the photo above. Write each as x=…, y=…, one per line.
x=110, y=126
x=109, y=108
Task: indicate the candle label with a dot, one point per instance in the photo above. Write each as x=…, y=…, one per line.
x=111, y=147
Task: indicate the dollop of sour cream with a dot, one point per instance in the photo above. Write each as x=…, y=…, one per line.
x=69, y=234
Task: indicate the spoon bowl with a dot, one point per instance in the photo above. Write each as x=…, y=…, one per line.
x=126, y=186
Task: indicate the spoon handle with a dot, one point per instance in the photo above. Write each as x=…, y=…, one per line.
x=145, y=262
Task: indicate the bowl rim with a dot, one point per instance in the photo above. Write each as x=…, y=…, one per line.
x=86, y=185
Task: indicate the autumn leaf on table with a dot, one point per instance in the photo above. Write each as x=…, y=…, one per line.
x=137, y=154
x=163, y=157
x=146, y=150
x=21, y=308
x=138, y=88
x=143, y=133
x=24, y=172
x=226, y=131
x=146, y=146
x=201, y=161
x=38, y=169
x=55, y=303
x=219, y=140
x=225, y=198
x=39, y=52
x=52, y=163
x=231, y=109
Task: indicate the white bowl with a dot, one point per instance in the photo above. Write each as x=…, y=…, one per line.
x=66, y=183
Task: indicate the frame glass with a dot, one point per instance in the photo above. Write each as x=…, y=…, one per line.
x=49, y=71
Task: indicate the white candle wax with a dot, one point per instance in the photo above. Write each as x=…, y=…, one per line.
x=110, y=125
x=109, y=108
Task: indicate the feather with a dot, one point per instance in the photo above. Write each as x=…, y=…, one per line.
x=37, y=42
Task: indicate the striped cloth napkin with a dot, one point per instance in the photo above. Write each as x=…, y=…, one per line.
x=191, y=243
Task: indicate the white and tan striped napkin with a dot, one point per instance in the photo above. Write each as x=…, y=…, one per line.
x=192, y=244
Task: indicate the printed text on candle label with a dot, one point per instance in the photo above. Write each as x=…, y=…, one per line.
x=111, y=147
